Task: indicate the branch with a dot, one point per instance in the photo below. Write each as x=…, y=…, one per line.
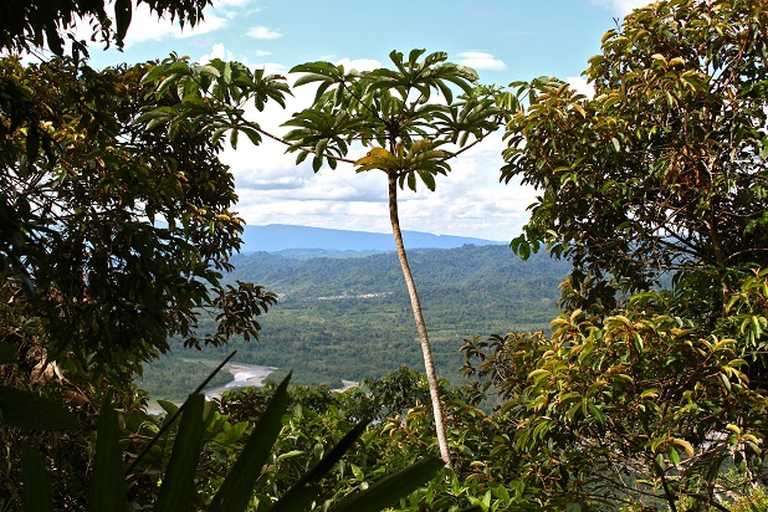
x=257, y=128
x=467, y=147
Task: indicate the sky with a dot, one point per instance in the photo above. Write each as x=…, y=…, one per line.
x=504, y=40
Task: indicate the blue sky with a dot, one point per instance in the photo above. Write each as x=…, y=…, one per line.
x=504, y=40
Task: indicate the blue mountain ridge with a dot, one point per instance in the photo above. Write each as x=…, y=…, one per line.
x=283, y=237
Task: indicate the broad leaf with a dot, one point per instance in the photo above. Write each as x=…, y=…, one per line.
x=24, y=409
x=37, y=482
x=108, y=485
x=177, y=490
x=236, y=491
x=392, y=488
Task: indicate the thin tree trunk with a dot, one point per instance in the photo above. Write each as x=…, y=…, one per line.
x=429, y=365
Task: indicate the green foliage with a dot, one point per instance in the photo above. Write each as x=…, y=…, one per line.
x=27, y=24
x=403, y=433
x=211, y=98
x=113, y=237
x=392, y=112
x=663, y=170
x=650, y=392
x=636, y=406
x=182, y=473
x=117, y=236
x=25, y=409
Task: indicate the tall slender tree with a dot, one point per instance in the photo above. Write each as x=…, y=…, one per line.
x=406, y=123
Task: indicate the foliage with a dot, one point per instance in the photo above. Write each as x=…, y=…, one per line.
x=403, y=433
x=650, y=392
x=629, y=407
x=27, y=24
x=663, y=170
x=176, y=485
x=211, y=99
x=90, y=287
x=114, y=236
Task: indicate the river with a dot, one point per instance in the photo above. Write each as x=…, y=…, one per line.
x=243, y=376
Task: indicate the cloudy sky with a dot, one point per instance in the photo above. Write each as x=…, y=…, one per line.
x=504, y=40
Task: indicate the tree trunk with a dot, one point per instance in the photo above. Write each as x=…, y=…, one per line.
x=429, y=365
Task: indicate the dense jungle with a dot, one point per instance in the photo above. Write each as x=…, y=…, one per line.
x=624, y=369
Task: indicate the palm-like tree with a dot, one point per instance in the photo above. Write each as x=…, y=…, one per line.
x=407, y=124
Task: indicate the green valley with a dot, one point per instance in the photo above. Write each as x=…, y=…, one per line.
x=349, y=318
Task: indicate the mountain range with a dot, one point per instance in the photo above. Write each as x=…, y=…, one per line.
x=285, y=237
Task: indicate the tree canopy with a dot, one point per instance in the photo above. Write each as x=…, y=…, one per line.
x=29, y=24
x=650, y=391
x=662, y=172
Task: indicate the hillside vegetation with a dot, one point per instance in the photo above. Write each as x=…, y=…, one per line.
x=633, y=380
x=350, y=318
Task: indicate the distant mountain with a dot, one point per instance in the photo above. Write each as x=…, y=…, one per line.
x=284, y=237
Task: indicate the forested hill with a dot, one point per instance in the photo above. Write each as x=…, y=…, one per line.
x=350, y=318
x=489, y=268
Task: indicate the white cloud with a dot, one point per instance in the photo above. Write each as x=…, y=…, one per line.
x=470, y=201
x=622, y=7
x=217, y=52
x=582, y=86
x=262, y=32
x=481, y=61
x=358, y=64
x=263, y=53
x=146, y=26
x=272, y=68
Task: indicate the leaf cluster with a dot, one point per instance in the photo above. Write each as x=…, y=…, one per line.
x=27, y=24
x=212, y=98
x=407, y=116
x=662, y=172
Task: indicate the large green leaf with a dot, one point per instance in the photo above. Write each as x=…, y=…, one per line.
x=177, y=489
x=236, y=491
x=392, y=488
x=108, y=485
x=24, y=409
x=37, y=482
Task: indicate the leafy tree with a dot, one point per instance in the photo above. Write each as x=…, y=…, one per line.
x=627, y=409
x=114, y=238
x=400, y=129
x=31, y=24
x=642, y=395
x=663, y=171
x=115, y=235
